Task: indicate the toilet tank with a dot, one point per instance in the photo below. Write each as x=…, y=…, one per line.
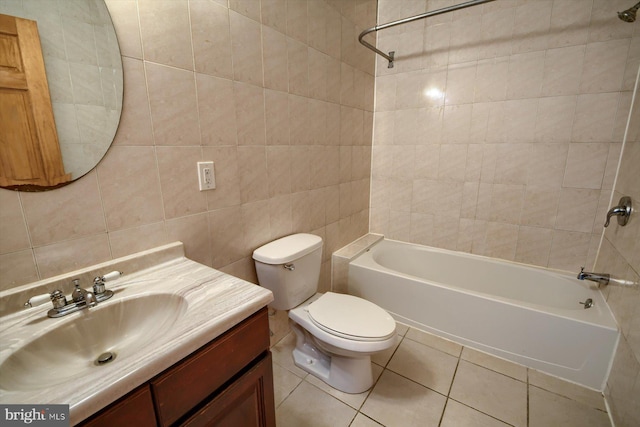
x=290, y=268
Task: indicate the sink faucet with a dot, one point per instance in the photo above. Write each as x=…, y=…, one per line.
x=600, y=278
x=80, y=295
x=80, y=298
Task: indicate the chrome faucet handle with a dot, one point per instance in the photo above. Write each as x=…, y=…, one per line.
x=98, y=286
x=98, y=282
x=622, y=211
x=58, y=299
x=99, y=289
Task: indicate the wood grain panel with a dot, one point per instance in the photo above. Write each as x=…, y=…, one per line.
x=209, y=368
x=26, y=114
x=135, y=409
x=248, y=402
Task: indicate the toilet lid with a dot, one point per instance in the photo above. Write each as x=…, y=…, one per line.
x=351, y=317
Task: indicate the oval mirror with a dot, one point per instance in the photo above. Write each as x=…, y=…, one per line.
x=45, y=146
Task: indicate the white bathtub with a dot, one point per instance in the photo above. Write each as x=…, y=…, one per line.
x=528, y=315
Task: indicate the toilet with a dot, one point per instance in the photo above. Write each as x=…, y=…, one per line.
x=336, y=334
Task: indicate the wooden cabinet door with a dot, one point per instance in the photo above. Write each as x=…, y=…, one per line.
x=188, y=383
x=247, y=402
x=135, y=409
x=29, y=148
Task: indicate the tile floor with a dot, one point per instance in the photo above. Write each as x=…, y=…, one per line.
x=428, y=381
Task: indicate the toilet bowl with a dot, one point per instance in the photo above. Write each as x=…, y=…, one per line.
x=336, y=334
x=336, y=345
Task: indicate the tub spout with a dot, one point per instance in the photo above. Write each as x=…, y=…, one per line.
x=602, y=279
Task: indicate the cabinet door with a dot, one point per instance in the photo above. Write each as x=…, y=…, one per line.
x=247, y=402
x=135, y=409
x=190, y=382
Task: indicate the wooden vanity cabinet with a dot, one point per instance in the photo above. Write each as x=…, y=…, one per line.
x=134, y=409
x=228, y=382
x=243, y=403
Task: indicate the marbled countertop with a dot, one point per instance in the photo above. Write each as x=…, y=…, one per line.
x=215, y=302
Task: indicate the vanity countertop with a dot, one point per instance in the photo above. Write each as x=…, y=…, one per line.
x=215, y=303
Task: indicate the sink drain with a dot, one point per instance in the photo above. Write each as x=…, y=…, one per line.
x=105, y=358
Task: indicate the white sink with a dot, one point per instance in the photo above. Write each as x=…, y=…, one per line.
x=164, y=308
x=70, y=349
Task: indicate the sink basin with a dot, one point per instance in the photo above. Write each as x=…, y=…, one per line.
x=71, y=349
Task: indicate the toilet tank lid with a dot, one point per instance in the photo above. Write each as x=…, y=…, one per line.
x=287, y=249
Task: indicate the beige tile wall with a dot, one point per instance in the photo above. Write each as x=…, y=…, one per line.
x=276, y=92
x=498, y=131
x=620, y=256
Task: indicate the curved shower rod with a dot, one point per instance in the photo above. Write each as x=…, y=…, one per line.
x=391, y=54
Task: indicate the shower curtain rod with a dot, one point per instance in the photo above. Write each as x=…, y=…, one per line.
x=391, y=54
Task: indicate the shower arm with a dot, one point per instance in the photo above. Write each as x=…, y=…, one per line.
x=391, y=54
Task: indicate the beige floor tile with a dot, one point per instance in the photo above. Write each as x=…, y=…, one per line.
x=434, y=341
x=309, y=406
x=383, y=357
x=573, y=391
x=363, y=421
x=282, y=355
x=284, y=382
x=401, y=329
x=353, y=400
x=430, y=367
x=458, y=415
x=494, y=394
x=489, y=361
x=397, y=401
x=550, y=409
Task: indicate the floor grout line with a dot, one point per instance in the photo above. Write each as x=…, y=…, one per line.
x=385, y=367
x=528, y=399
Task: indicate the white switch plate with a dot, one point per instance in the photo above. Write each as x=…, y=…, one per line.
x=206, y=176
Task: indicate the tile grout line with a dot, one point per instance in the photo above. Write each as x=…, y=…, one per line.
x=384, y=368
x=290, y=393
x=453, y=378
x=444, y=408
x=481, y=412
x=528, y=399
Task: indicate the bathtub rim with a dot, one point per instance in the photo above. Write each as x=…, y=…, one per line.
x=518, y=359
x=604, y=317
x=597, y=373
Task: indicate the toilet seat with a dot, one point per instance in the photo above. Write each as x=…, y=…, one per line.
x=350, y=317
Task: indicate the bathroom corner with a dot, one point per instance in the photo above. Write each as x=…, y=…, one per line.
x=506, y=130
x=620, y=255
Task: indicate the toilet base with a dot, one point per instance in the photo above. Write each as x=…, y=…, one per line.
x=347, y=374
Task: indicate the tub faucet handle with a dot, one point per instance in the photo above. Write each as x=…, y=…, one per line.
x=622, y=211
